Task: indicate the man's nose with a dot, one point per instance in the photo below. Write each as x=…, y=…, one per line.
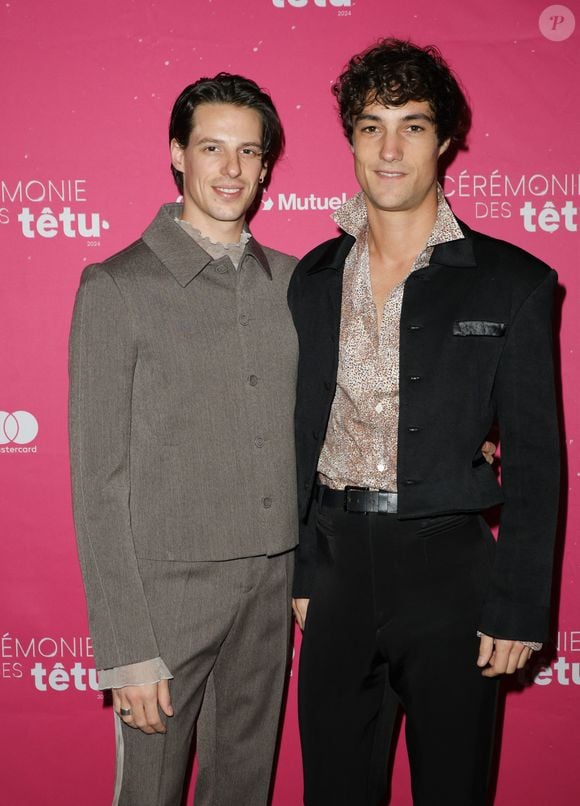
x=232, y=165
x=391, y=147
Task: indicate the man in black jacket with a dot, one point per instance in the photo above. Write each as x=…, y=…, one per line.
x=417, y=335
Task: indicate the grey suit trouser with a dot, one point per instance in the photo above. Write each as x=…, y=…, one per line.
x=228, y=622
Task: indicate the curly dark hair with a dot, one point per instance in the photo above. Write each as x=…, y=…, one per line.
x=226, y=88
x=395, y=71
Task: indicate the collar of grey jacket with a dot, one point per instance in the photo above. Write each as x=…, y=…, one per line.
x=452, y=253
x=180, y=254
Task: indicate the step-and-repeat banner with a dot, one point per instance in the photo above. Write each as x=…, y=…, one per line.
x=86, y=93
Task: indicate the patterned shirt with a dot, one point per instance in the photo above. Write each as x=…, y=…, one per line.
x=360, y=448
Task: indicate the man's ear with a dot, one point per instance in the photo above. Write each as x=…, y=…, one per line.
x=176, y=155
x=263, y=172
x=444, y=146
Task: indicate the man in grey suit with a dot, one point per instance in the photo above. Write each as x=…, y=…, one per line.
x=183, y=371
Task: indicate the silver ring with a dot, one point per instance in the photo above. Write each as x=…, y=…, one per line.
x=125, y=711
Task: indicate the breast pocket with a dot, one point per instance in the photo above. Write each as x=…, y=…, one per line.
x=479, y=344
x=478, y=327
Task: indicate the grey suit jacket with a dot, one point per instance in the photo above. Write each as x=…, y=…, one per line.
x=183, y=374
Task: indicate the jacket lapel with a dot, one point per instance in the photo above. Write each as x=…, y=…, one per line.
x=178, y=252
x=456, y=253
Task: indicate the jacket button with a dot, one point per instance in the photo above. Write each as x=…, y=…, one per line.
x=253, y=380
x=243, y=319
x=259, y=442
x=327, y=385
x=267, y=503
x=414, y=429
x=315, y=434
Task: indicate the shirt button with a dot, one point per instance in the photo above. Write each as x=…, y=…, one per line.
x=379, y=408
x=259, y=442
x=221, y=269
x=267, y=503
x=380, y=467
x=243, y=319
x=253, y=380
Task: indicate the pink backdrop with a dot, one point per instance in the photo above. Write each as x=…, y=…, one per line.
x=86, y=93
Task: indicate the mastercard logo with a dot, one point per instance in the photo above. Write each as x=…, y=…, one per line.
x=20, y=427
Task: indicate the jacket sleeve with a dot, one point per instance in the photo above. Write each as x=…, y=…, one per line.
x=305, y=556
x=102, y=359
x=518, y=601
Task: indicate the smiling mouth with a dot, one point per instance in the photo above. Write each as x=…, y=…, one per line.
x=227, y=191
x=391, y=174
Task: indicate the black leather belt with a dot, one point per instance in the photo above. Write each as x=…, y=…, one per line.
x=358, y=499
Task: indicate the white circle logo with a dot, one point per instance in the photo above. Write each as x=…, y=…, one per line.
x=557, y=23
x=20, y=427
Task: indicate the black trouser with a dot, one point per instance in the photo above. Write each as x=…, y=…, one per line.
x=393, y=621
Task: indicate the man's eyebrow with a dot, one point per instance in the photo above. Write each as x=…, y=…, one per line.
x=220, y=141
x=406, y=118
x=367, y=116
x=419, y=116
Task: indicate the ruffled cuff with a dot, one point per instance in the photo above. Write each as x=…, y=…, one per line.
x=134, y=674
x=534, y=645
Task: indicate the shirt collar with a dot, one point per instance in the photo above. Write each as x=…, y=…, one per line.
x=179, y=252
x=352, y=218
x=204, y=240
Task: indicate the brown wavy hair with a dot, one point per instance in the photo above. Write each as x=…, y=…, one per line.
x=395, y=71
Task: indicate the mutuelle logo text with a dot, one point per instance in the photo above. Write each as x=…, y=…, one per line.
x=17, y=430
x=50, y=208
x=541, y=202
x=292, y=201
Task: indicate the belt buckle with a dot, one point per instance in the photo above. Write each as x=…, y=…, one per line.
x=352, y=501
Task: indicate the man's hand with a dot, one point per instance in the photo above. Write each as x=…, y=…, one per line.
x=144, y=703
x=488, y=450
x=300, y=608
x=500, y=656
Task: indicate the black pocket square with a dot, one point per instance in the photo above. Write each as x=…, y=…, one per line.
x=478, y=328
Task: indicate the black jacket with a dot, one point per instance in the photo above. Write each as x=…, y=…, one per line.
x=475, y=349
